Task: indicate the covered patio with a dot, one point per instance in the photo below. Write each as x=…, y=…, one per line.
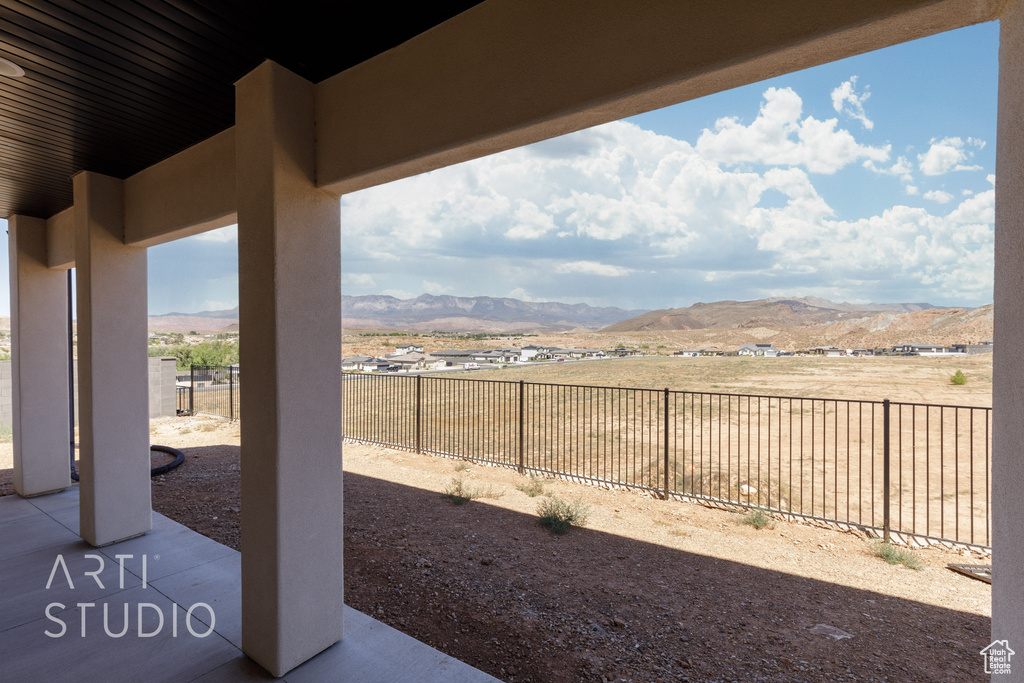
x=184, y=572
x=132, y=127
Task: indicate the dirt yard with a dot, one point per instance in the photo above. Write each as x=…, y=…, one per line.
x=648, y=590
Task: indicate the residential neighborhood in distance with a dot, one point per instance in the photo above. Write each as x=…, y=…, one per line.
x=412, y=358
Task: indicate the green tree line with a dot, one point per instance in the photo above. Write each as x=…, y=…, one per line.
x=205, y=353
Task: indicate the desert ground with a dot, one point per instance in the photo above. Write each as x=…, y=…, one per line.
x=646, y=590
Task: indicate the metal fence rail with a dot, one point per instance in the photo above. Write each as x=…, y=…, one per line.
x=908, y=468
x=214, y=390
x=914, y=469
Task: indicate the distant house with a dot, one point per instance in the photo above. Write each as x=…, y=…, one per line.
x=688, y=353
x=496, y=356
x=919, y=349
x=408, y=348
x=622, y=352
x=454, y=356
x=828, y=351
x=971, y=348
x=376, y=365
x=767, y=350
x=365, y=364
x=405, y=361
x=534, y=352
x=354, y=364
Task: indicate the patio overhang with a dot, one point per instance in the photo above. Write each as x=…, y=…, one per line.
x=169, y=119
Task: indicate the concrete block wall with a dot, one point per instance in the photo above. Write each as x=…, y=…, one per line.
x=162, y=394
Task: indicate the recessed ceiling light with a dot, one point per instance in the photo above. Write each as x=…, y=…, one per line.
x=9, y=68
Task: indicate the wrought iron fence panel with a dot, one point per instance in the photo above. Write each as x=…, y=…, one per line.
x=912, y=469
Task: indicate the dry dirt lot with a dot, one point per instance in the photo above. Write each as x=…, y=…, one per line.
x=898, y=378
x=648, y=591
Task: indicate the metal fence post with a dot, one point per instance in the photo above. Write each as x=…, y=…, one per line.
x=192, y=390
x=666, y=443
x=885, y=471
x=231, y=392
x=419, y=411
x=522, y=431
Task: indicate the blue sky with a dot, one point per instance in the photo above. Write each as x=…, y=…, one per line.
x=868, y=179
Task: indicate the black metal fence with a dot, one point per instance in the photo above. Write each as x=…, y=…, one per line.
x=213, y=390
x=912, y=469
x=907, y=468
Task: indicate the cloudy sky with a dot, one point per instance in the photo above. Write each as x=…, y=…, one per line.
x=869, y=179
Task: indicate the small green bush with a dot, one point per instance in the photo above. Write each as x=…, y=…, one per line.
x=759, y=519
x=894, y=555
x=958, y=378
x=460, y=466
x=559, y=515
x=532, y=489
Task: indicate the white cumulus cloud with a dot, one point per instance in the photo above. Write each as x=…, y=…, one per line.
x=434, y=288
x=948, y=154
x=357, y=280
x=846, y=100
x=939, y=196
x=651, y=215
x=593, y=268
x=778, y=136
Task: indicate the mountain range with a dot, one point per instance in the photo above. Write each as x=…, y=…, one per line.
x=794, y=321
x=428, y=312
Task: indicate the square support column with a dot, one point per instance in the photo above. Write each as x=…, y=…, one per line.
x=289, y=275
x=1008, y=370
x=39, y=367
x=113, y=367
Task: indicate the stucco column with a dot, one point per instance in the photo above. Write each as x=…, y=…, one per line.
x=113, y=367
x=1008, y=370
x=289, y=276
x=39, y=362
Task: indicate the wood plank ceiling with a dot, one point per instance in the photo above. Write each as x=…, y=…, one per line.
x=114, y=86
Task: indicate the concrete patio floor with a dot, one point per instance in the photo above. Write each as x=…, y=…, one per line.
x=49, y=576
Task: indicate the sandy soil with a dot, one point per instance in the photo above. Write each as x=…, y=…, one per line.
x=648, y=591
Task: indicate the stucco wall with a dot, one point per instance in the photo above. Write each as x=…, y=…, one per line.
x=162, y=397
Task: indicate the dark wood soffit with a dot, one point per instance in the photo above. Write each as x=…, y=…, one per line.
x=114, y=86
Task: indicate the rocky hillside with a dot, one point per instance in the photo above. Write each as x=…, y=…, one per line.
x=773, y=313
x=866, y=329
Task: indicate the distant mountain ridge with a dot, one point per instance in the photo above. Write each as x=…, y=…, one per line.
x=478, y=313
x=773, y=312
x=230, y=313
x=500, y=315
x=429, y=312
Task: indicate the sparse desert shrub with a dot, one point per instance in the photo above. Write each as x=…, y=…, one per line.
x=459, y=492
x=958, y=378
x=559, y=515
x=460, y=466
x=759, y=519
x=533, y=489
x=894, y=555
